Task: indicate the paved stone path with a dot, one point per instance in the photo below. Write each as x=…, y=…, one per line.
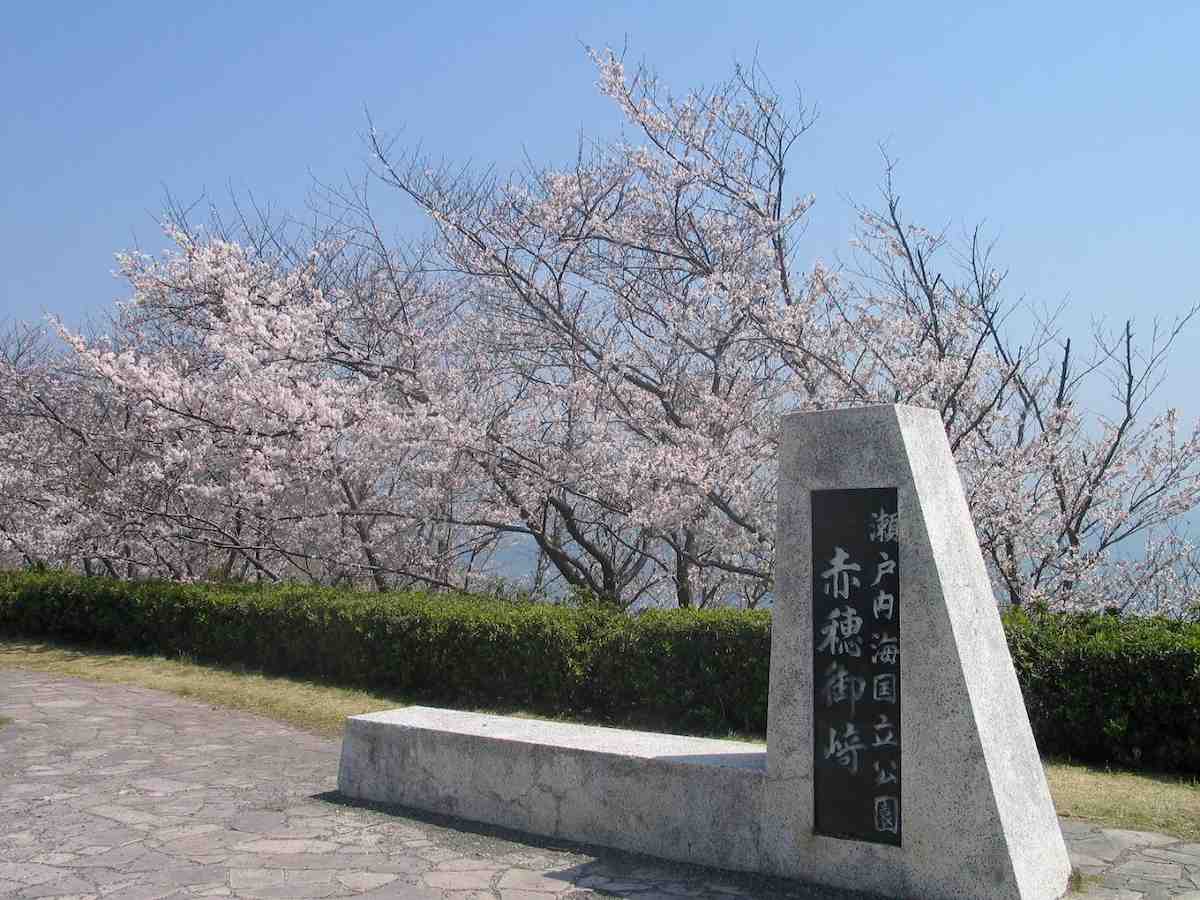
x=112, y=791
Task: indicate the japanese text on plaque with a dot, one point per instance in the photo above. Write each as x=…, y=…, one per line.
x=856, y=664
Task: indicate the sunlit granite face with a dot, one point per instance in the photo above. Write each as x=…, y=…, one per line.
x=977, y=820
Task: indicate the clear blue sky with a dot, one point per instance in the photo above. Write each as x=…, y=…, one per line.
x=1071, y=129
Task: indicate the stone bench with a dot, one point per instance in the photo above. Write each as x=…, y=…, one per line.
x=683, y=798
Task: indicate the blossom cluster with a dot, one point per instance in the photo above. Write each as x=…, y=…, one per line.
x=593, y=361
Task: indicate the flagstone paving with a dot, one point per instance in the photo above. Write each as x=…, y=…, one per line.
x=123, y=792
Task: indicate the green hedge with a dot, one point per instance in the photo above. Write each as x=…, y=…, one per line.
x=701, y=670
x=704, y=670
x=1111, y=690
x=1098, y=688
x=448, y=648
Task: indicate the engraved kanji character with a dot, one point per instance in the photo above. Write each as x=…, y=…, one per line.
x=885, y=733
x=841, y=686
x=840, y=633
x=887, y=814
x=885, y=772
x=886, y=566
x=838, y=576
x=845, y=747
x=883, y=687
x=884, y=606
x=885, y=649
x=883, y=526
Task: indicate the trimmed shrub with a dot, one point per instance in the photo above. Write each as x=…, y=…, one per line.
x=1111, y=690
x=703, y=670
x=449, y=648
x=1098, y=688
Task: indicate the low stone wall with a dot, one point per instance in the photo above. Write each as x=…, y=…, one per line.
x=683, y=798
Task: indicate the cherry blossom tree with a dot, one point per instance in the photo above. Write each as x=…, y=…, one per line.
x=72, y=484
x=267, y=421
x=655, y=282
x=593, y=360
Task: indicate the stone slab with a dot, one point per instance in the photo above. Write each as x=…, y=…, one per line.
x=681, y=798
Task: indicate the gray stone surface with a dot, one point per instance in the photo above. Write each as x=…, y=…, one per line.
x=682, y=798
x=976, y=809
x=110, y=791
x=977, y=815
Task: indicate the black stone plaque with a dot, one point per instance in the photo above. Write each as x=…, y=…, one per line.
x=856, y=664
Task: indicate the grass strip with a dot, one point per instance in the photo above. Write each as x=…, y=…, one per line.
x=305, y=704
x=1112, y=798
x=1138, y=801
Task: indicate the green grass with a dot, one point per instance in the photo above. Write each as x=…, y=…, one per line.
x=1079, y=883
x=1113, y=798
x=305, y=704
x=1139, y=801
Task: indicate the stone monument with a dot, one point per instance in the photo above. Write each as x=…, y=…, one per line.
x=899, y=761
